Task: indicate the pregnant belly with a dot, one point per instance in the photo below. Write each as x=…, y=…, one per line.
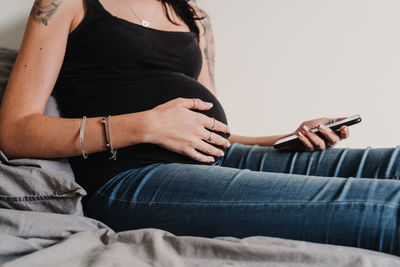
x=132, y=92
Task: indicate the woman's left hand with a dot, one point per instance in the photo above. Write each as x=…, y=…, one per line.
x=311, y=141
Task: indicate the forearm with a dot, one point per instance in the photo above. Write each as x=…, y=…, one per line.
x=40, y=136
x=262, y=141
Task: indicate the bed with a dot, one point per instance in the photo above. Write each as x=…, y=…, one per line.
x=42, y=224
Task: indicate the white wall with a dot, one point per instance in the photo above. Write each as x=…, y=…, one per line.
x=280, y=62
x=13, y=17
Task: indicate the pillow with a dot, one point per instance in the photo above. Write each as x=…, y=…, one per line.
x=36, y=184
x=25, y=185
x=7, y=59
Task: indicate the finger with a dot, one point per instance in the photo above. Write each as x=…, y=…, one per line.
x=195, y=103
x=209, y=149
x=344, y=132
x=314, y=139
x=341, y=118
x=305, y=141
x=209, y=124
x=215, y=139
x=194, y=154
x=331, y=137
x=323, y=120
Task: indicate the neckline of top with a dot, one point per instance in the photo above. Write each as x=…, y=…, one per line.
x=138, y=25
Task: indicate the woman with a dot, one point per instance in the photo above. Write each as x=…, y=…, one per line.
x=149, y=141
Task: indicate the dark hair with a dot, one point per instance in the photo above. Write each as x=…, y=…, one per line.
x=185, y=12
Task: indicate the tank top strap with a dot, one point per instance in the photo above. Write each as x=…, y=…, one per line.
x=97, y=7
x=94, y=10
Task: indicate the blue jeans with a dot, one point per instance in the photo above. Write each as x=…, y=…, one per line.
x=256, y=190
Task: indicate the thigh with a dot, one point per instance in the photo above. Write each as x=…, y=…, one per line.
x=333, y=162
x=214, y=201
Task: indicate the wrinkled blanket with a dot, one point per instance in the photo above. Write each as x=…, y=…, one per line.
x=45, y=239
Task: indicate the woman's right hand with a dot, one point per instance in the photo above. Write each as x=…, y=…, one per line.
x=174, y=126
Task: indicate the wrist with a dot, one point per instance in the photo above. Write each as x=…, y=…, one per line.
x=286, y=135
x=289, y=134
x=279, y=137
x=148, y=125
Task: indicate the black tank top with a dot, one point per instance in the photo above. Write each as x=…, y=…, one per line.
x=112, y=67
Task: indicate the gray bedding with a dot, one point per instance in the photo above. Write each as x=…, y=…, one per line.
x=30, y=238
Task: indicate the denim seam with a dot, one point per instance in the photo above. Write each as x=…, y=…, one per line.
x=258, y=203
x=392, y=177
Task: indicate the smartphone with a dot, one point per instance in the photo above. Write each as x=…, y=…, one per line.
x=335, y=126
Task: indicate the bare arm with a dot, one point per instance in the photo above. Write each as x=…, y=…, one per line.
x=25, y=131
x=207, y=46
x=262, y=140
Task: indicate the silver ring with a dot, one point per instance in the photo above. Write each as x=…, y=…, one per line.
x=196, y=157
x=212, y=128
x=210, y=138
x=194, y=103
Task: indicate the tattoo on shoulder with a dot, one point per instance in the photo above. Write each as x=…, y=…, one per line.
x=209, y=48
x=43, y=10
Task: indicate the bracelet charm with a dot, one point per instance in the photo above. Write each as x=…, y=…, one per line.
x=107, y=132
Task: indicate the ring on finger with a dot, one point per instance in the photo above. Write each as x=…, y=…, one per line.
x=212, y=128
x=210, y=138
x=196, y=157
x=329, y=144
x=194, y=103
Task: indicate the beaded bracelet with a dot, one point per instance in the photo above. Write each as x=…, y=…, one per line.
x=108, y=139
x=82, y=137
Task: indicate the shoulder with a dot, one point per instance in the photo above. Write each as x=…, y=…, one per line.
x=205, y=22
x=48, y=8
x=78, y=11
x=199, y=11
x=68, y=11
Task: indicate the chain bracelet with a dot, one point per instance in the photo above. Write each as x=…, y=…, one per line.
x=106, y=120
x=82, y=137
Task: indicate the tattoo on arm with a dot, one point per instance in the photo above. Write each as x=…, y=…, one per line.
x=209, y=50
x=43, y=10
